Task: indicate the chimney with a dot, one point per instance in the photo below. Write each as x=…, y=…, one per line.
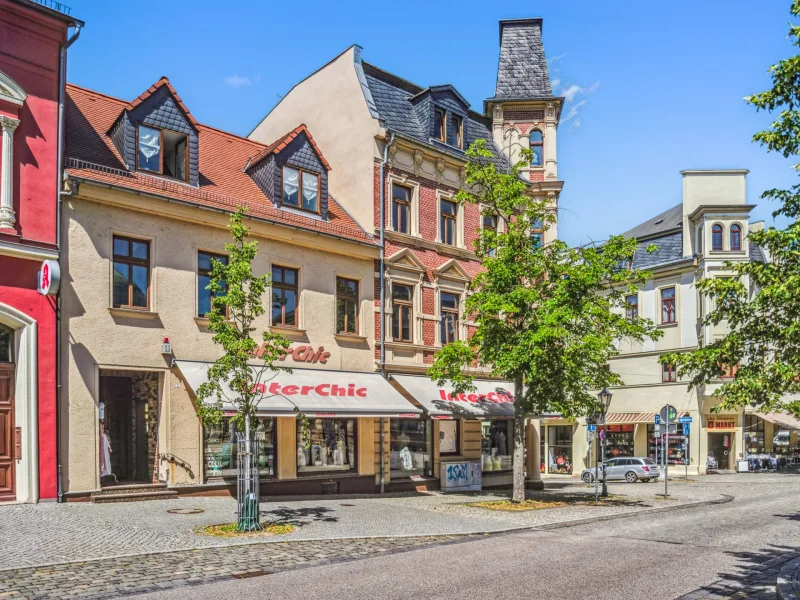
x=522, y=73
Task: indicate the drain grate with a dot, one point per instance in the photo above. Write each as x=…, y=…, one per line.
x=249, y=574
x=185, y=511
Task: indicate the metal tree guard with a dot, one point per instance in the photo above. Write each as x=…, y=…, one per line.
x=247, y=496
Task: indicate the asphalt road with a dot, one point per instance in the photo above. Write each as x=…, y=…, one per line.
x=665, y=555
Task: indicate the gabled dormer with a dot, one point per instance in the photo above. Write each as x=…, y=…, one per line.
x=442, y=111
x=157, y=135
x=293, y=173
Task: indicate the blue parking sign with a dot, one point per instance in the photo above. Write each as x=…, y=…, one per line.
x=592, y=427
x=658, y=419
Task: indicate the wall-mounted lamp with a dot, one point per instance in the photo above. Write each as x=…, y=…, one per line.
x=166, y=347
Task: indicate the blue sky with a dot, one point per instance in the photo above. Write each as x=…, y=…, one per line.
x=655, y=88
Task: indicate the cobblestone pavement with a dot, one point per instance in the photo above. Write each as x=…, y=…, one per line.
x=147, y=573
x=48, y=533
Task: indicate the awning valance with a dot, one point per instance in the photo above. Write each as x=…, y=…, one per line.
x=316, y=393
x=782, y=419
x=491, y=399
x=635, y=417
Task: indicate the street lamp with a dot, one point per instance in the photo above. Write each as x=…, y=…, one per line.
x=605, y=401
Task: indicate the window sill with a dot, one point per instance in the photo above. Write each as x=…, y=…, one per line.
x=290, y=332
x=133, y=313
x=350, y=337
x=204, y=321
x=667, y=325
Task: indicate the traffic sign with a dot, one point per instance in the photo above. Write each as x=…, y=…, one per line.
x=658, y=428
x=658, y=419
x=685, y=420
x=591, y=427
x=668, y=414
x=686, y=429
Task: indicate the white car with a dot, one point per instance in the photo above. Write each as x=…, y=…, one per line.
x=628, y=469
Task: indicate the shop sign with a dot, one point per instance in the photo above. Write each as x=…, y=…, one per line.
x=49, y=278
x=496, y=397
x=323, y=389
x=306, y=354
x=720, y=422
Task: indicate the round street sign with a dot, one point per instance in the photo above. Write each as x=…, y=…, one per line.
x=49, y=278
x=668, y=414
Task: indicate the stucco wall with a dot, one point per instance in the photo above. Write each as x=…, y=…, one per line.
x=96, y=337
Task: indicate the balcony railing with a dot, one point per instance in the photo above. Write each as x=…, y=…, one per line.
x=62, y=8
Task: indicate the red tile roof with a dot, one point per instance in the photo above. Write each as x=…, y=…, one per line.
x=152, y=89
x=284, y=141
x=91, y=155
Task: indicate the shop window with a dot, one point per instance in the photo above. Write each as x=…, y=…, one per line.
x=668, y=305
x=669, y=373
x=448, y=437
x=631, y=307
x=285, y=294
x=300, y=189
x=537, y=155
x=131, y=273
x=346, y=306
x=678, y=451
x=327, y=445
x=559, y=449
x=409, y=447
x=439, y=120
x=497, y=439
x=736, y=237
x=221, y=448
x=448, y=212
x=402, y=312
x=6, y=344
x=401, y=208
x=753, y=434
x=619, y=440
x=457, y=123
x=781, y=441
x=716, y=237
x=162, y=151
x=205, y=297
x=448, y=307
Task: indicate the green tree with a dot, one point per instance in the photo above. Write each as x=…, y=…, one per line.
x=761, y=302
x=546, y=317
x=239, y=376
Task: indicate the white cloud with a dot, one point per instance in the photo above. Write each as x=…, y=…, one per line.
x=573, y=112
x=574, y=125
x=570, y=94
x=237, y=80
x=555, y=83
x=557, y=58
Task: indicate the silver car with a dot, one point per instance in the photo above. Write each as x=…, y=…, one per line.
x=629, y=469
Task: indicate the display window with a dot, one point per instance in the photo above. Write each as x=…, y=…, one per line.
x=781, y=441
x=409, y=447
x=753, y=434
x=448, y=437
x=619, y=440
x=497, y=440
x=221, y=448
x=678, y=451
x=559, y=449
x=326, y=445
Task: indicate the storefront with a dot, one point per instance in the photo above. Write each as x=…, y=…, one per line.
x=474, y=427
x=338, y=441
x=678, y=445
x=721, y=432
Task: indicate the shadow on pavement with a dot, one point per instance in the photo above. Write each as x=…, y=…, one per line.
x=755, y=577
x=299, y=516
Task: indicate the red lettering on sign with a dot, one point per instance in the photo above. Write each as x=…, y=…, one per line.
x=323, y=386
x=290, y=390
x=361, y=392
x=472, y=398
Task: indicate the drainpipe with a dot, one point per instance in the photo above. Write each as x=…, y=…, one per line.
x=62, y=82
x=382, y=216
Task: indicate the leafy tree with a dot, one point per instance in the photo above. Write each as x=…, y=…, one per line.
x=239, y=375
x=546, y=317
x=761, y=302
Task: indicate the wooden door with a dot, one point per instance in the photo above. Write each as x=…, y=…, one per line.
x=7, y=459
x=116, y=393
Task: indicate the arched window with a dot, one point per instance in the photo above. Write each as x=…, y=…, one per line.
x=716, y=237
x=537, y=154
x=736, y=237
x=6, y=344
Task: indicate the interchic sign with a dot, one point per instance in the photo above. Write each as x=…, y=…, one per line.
x=496, y=397
x=305, y=354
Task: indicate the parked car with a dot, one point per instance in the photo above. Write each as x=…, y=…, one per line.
x=628, y=469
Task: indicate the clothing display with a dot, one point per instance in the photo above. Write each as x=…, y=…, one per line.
x=105, y=455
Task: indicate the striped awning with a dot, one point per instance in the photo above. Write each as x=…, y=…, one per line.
x=635, y=417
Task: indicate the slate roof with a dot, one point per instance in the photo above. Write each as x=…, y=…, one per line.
x=283, y=141
x=91, y=155
x=153, y=89
x=392, y=97
x=670, y=250
x=757, y=254
x=669, y=219
x=522, y=72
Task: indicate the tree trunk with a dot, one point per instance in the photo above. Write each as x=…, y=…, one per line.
x=518, y=485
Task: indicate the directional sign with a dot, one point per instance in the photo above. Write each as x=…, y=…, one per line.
x=658, y=419
x=685, y=420
x=686, y=428
x=668, y=414
x=591, y=427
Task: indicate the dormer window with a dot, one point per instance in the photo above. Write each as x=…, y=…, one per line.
x=457, y=123
x=162, y=151
x=439, y=125
x=301, y=189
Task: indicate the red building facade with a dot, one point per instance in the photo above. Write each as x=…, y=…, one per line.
x=33, y=40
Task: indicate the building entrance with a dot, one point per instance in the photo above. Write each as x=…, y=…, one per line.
x=720, y=450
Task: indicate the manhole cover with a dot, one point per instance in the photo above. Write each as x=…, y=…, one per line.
x=185, y=511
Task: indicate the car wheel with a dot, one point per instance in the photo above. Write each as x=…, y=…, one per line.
x=631, y=477
x=587, y=478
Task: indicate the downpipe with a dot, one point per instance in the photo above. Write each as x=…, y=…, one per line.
x=62, y=82
x=382, y=328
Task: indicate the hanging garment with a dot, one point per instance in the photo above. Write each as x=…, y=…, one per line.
x=105, y=455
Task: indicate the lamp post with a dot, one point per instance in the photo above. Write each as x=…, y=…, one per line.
x=605, y=401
